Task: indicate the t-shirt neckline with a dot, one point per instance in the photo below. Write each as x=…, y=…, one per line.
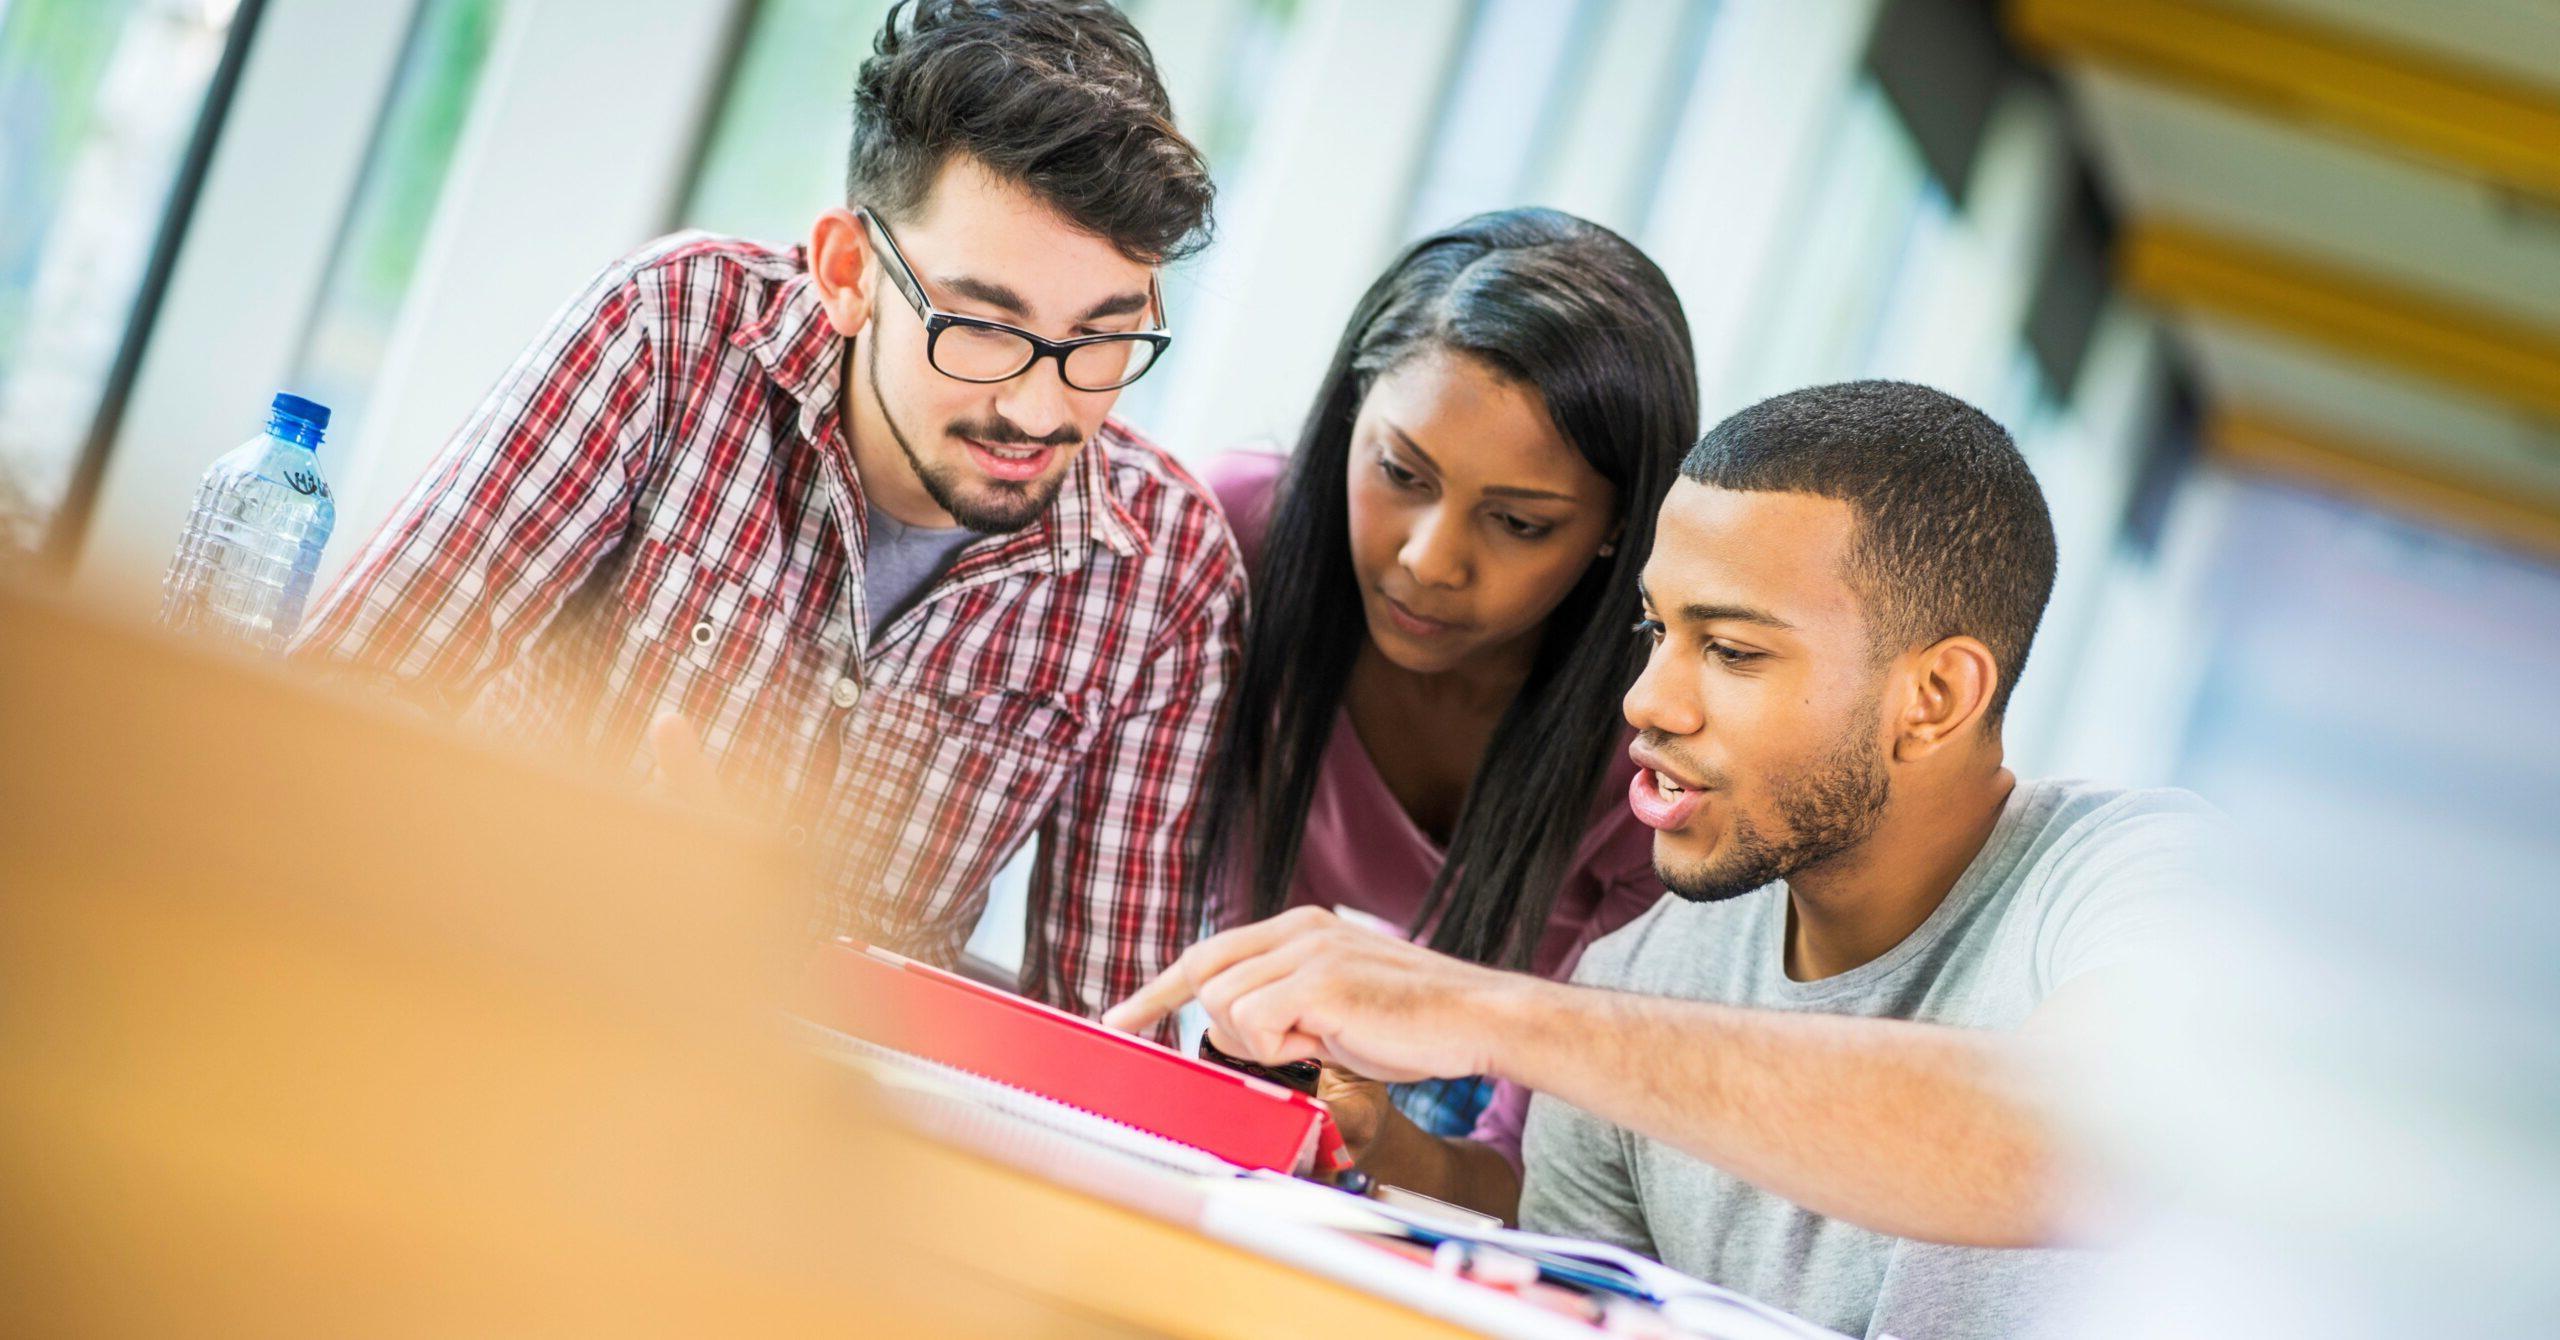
x=2007, y=830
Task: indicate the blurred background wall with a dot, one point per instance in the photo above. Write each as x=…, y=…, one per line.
x=2268, y=290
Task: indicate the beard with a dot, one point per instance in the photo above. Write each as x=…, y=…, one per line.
x=987, y=506
x=1831, y=808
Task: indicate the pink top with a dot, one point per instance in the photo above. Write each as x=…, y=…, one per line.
x=1362, y=850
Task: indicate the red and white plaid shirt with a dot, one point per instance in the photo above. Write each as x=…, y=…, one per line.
x=655, y=510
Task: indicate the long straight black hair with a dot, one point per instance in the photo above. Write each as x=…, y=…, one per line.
x=1574, y=312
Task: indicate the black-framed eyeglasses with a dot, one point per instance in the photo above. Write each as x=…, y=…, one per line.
x=972, y=349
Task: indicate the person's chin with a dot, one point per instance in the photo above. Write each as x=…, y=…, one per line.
x=1404, y=655
x=1421, y=651
x=1687, y=861
x=999, y=506
x=1701, y=884
x=1685, y=848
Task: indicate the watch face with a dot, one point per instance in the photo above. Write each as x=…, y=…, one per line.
x=1298, y=1075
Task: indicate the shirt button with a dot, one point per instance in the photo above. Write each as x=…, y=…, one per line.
x=845, y=693
x=796, y=835
x=703, y=632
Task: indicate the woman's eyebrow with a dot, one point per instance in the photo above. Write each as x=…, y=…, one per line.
x=1405, y=440
x=1505, y=491
x=1497, y=491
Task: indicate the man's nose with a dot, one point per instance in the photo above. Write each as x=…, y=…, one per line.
x=1038, y=402
x=1656, y=702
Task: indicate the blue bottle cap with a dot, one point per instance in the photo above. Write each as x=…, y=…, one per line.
x=297, y=420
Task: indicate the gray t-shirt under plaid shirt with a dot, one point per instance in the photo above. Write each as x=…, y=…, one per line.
x=2074, y=877
x=902, y=561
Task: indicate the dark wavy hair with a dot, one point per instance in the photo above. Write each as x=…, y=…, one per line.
x=1575, y=313
x=1060, y=96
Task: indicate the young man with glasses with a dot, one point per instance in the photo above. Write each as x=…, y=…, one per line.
x=855, y=512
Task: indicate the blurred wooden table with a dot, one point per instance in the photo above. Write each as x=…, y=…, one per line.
x=317, y=1020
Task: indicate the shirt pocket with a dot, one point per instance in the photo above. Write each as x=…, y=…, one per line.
x=954, y=782
x=1052, y=730
x=698, y=639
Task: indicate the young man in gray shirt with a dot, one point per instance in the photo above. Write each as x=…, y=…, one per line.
x=1806, y=1076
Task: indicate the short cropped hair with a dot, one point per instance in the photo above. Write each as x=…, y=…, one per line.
x=1060, y=97
x=1952, y=532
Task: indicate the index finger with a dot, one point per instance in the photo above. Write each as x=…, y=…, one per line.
x=1168, y=991
x=1178, y=985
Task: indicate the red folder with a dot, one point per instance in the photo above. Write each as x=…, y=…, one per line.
x=906, y=1006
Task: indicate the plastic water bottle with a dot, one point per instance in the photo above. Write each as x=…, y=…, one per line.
x=252, y=544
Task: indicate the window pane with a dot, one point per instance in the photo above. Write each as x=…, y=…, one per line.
x=1246, y=56
x=97, y=100
x=777, y=150
x=1853, y=255
x=1234, y=79
x=1503, y=105
x=377, y=251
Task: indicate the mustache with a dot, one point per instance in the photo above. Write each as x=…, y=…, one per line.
x=1663, y=746
x=999, y=433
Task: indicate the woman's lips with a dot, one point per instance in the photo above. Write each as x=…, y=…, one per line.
x=1012, y=463
x=1657, y=809
x=1414, y=625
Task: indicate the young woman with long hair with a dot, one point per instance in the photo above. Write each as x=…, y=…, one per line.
x=1443, y=578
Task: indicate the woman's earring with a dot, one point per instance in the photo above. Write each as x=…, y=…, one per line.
x=1608, y=549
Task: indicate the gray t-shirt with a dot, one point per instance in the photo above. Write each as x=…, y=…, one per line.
x=902, y=561
x=2073, y=877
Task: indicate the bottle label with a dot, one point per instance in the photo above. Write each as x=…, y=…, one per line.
x=306, y=482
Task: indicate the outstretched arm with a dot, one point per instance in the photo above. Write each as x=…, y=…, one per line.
x=1915, y=1130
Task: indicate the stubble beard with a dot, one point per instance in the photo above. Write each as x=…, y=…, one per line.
x=1003, y=508
x=1828, y=811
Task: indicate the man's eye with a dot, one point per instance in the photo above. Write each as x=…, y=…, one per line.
x=1649, y=629
x=1732, y=655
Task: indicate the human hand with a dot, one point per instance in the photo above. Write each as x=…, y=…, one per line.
x=1305, y=984
x=1360, y=1107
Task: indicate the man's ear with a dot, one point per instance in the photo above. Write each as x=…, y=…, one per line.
x=1948, y=686
x=841, y=270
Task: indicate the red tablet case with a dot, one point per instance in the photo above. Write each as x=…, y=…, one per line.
x=906, y=1006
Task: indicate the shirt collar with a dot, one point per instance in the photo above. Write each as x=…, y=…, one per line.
x=800, y=350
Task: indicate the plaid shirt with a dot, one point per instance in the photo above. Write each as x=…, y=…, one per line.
x=655, y=510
